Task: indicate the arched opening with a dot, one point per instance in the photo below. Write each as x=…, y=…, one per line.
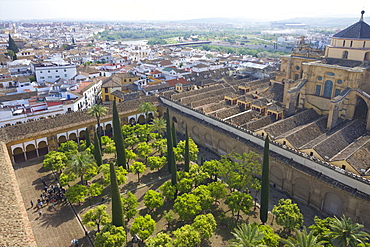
x=174, y=119
x=361, y=109
x=222, y=147
x=328, y=88
x=132, y=121
x=345, y=55
x=150, y=116
x=277, y=176
x=101, y=130
x=108, y=130
x=208, y=140
x=297, y=100
x=62, y=139
x=333, y=204
x=31, y=151
x=82, y=135
x=367, y=56
x=141, y=119
x=302, y=188
x=195, y=134
x=18, y=155
x=73, y=137
x=42, y=148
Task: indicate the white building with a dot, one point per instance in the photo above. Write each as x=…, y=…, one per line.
x=50, y=72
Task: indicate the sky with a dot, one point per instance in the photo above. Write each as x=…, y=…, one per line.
x=134, y=10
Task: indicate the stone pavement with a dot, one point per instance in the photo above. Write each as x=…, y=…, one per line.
x=56, y=226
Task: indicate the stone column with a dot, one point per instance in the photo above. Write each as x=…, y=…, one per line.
x=333, y=115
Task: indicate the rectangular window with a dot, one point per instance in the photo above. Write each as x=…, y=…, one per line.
x=57, y=76
x=105, y=90
x=337, y=92
x=318, y=90
x=42, y=77
x=50, y=77
x=65, y=75
x=296, y=76
x=106, y=97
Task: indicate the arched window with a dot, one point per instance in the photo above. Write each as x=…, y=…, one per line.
x=345, y=55
x=328, y=88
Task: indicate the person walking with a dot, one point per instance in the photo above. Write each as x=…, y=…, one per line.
x=40, y=212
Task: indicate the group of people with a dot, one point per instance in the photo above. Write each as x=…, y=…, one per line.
x=51, y=194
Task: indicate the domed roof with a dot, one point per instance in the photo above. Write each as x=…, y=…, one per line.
x=359, y=30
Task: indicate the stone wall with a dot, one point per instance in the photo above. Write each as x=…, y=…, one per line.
x=15, y=228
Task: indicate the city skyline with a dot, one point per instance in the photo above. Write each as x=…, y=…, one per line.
x=130, y=10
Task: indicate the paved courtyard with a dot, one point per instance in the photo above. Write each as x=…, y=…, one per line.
x=56, y=226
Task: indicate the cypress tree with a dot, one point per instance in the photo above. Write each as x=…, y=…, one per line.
x=117, y=210
x=88, y=141
x=169, y=142
x=12, y=45
x=97, y=150
x=265, y=187
x=187, y=155
x=118, y=138
x=174, y=137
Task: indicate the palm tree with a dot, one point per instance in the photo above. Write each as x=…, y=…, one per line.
x=159, y=125
x=346, y=233
x=146, y=107
x=80, y=164
x=247, y=236
x=303, y=239
x=97, y=111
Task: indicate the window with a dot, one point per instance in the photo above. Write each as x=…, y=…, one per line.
x=65, y=75
x=65, y=70
x=351, y=44
x=42, y=77
x=337, y=92
x=318, y=90
x=56, y=70
x=296, y=76
x=50, y=77
x=319, y=78
x=40, y=72
x=330, y=73
x=48, y=71
x=105, y=90
x=57, y=76
x=106, y=97
x=328, y=88
x=345, y=55
x=339, y=81
x=297, y=67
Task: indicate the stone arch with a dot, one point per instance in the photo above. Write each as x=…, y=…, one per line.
x=31, y=152
x=364, y=218
x=302, y=189
x=333, y=204
x=367, y=56
x=108, y=130
x=141, y=119
x=238, y=149
x=195, y=134
x=174, y=119
x=361, y=109
x=62, y=139
x=82, y=135
x=277, y=176
x=353, y=97
x=150, y=116
x=328, y=88
x=18, y=155
x=72, y=137
x=208, y=140
x=42, y=148
x=222, y=147
x=132, y=121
